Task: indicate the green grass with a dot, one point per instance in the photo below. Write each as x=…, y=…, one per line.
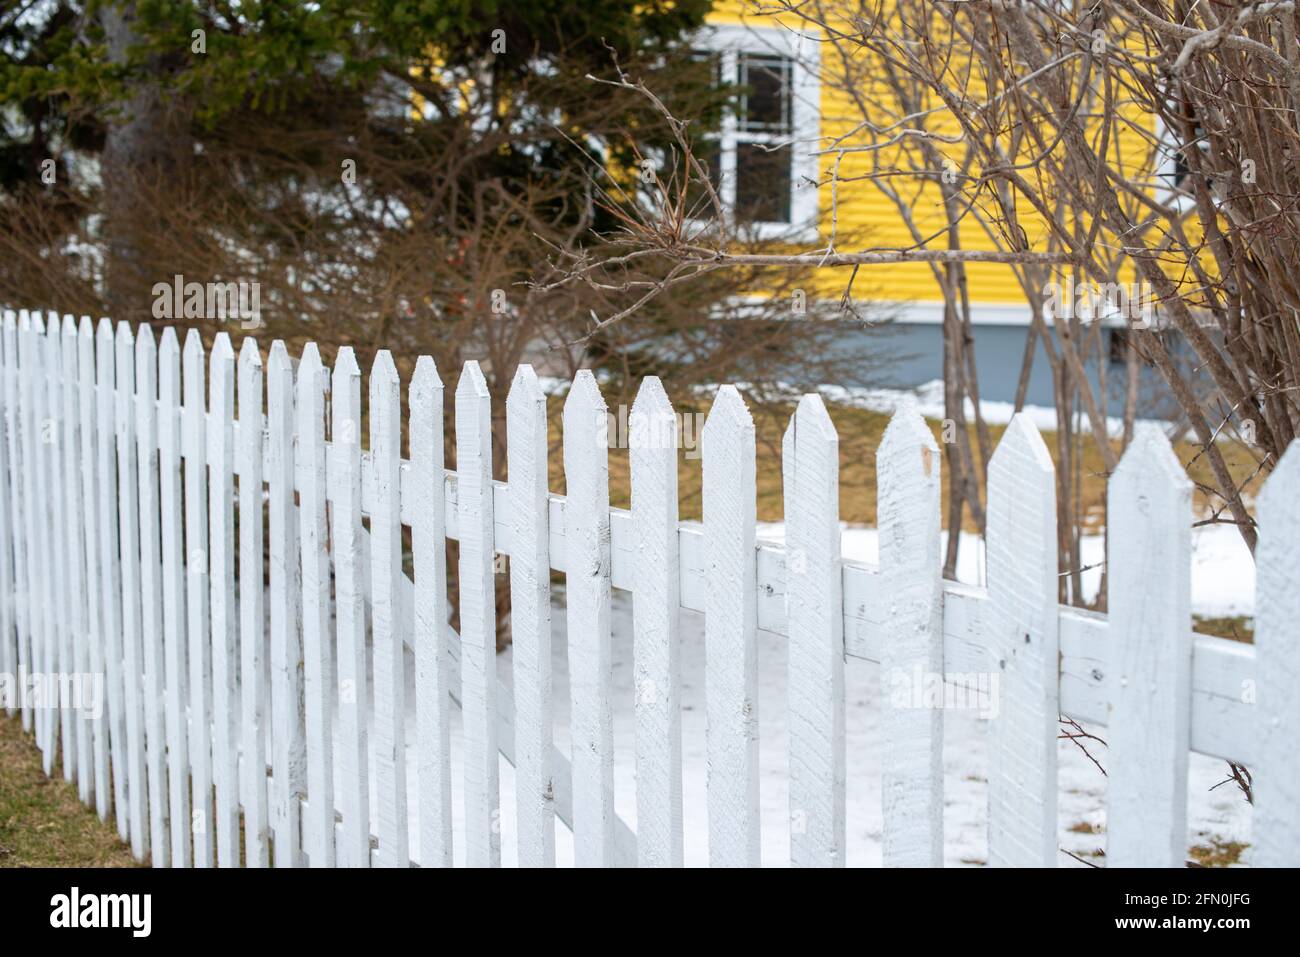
x=42, y=823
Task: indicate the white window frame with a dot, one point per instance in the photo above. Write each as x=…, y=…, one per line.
x=729, y=40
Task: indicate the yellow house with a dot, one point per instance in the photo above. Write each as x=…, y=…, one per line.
x=770, y=157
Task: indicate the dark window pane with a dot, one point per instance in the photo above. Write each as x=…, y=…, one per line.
x=765, y=93
x=762, y=184
x=1118, y=346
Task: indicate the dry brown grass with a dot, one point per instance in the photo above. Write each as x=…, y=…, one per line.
x=42, y=822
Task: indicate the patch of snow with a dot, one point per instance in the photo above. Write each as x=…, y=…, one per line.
x=1220, y=814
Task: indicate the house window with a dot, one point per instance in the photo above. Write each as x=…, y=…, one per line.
x=762, y=159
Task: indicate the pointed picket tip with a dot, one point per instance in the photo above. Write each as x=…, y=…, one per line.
x=249, y=354
x=53, y=328
x=728, y=410
x=222, y=350
x=1149, y=455
x=651, y=399
x=38, y=323
x=525, y=386
x=280, y=361
x=471, y=384
x=69, y=327
x=125, y=334
x=425, y=381
x=310, y=363
x=193, y=344
x=907, y=430
x=584, y=398
x=86, y=328
x=1282, y=489
x=382, y=370
x=810, y=415
x=168, y=344
x=144, y=343
x=345, y=363
x=1022, y=440
x=9, y=317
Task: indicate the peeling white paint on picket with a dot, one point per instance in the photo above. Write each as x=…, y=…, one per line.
x=429, y=564
x=1276, y=834
x=386, y=572
x=1022, y=646
x=288, y=748
x=1149, y=597
x=907, y=497
x=96, y=444
x=656, y=653
x=110, y=580
x=253, y=693
x=349, y=588
x=194, y=449
x=477, y=617
x=175, y=631
x=151, y=598
x=587, y=578
x=530, y=618
x=224, y=613
x=730, y=621
x=75, y=554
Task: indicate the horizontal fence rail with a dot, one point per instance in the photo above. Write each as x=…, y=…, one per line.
x=208, y=537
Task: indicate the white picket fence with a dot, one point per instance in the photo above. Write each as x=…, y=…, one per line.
x=125, y=466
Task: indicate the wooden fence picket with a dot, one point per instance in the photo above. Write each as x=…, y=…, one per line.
x=44, y=660
x=14, y=517
x=653, y=441
x=317, y=649
x=253, y=694
x=45, y=398
x=1023, y=649
x=151, y=600
x=477, y=617
x=195, y=450
x=908, y=484
x=110, y=568
x=1148, y=566
x=10, y=543
x=90, y=522
x=388, y=627
x=810, y=457
x=429, y=558
x=288, y=752
x=29, y=648
x=1276, y=825
x=175, y=619
x=587, y=576
x=224, y=615
x=349, y=589
x=56, y=442
x=74, y=557
x=730, y=625
x=129, y=543
x=530, y=617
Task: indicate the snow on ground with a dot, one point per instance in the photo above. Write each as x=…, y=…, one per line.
x=1223, y=571
x=1221, y=814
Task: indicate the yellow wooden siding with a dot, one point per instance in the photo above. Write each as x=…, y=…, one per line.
x=867, y=218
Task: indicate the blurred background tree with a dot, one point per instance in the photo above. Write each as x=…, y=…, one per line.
x=391, y=173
